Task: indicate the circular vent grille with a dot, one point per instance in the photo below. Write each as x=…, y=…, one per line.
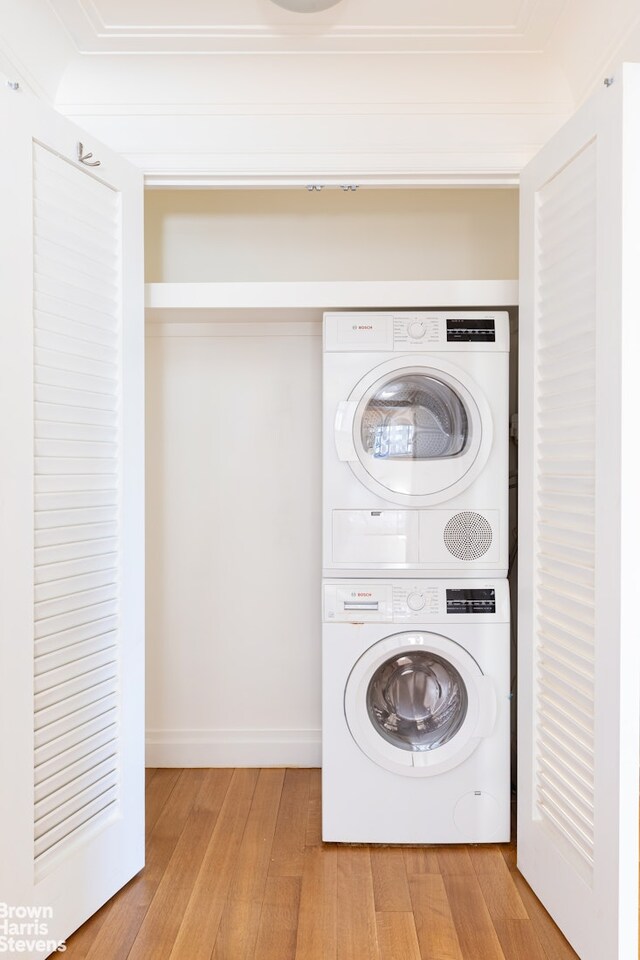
x=468, y=536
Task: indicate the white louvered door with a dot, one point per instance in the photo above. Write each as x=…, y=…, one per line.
x=579, y=524
x=71, y=521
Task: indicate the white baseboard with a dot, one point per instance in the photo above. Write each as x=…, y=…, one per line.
x=233, y=748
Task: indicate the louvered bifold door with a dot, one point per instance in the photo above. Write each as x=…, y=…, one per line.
x=579, y=524
x=76, y=498
x=71, y=584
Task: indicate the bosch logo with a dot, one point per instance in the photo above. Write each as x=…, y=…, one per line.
x=362, y=326
x=360, y=594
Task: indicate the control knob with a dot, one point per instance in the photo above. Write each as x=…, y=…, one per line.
x=416, y=329
x=415, y=601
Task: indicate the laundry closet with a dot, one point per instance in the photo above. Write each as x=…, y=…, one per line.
x=288, y=168
x=237, y=282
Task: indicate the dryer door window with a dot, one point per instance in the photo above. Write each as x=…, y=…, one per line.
x=414, y=417
x=417, y=700
x=415, y=434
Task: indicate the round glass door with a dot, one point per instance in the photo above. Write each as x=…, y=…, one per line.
x=414, y=417
x=420, y=434
x=417, y=701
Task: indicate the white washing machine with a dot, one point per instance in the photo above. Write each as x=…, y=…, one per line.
x=416, y=443
x=416, y=711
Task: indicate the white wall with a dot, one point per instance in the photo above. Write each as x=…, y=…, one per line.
x=233, y=457
x=35, y=49
x=233, y=549
x=241, y=235
x=592, y=38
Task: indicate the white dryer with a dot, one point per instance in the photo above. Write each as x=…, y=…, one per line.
x=416, y=443
x=416, y=711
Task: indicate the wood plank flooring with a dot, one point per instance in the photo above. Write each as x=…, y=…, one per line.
x=236, y=870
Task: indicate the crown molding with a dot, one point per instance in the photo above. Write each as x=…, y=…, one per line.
x=376, y=146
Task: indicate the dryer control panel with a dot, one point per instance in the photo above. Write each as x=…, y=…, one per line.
x=415, y=601
x=420, y=331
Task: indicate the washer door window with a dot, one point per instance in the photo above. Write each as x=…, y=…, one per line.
x=417, y=700
x=415, y=435
x=418, y=703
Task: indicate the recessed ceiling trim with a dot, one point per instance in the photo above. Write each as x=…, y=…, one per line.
x=86, y=25
x=257, y=30
x=103, y=29
x=329, y=110
x=252, y=30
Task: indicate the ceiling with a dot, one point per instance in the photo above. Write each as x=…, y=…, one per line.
x=434, y=90
x=353, y=26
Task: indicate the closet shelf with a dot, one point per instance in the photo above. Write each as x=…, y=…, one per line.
x=304, y=301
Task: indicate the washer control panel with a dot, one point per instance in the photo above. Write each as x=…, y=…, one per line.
x=414, y=601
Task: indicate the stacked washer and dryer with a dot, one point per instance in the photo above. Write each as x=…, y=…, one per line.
x=416, y=636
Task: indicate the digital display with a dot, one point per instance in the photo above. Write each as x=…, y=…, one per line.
x=471, y=330
x=471, y=601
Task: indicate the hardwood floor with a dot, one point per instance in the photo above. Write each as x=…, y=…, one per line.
x=236, y=870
